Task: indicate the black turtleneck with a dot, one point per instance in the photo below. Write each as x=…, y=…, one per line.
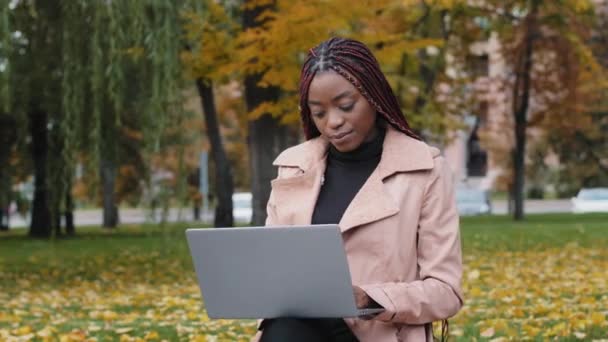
x=345, y=174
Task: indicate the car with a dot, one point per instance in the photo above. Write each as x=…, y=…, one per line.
x=242, y=207
x=590, y=200
x=472, y=202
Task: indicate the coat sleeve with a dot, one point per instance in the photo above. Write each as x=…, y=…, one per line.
x=270, y=211
x=437, y=295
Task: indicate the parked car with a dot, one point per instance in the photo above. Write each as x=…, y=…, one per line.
x=242, y=207
x=590, y=200
x=472, y=202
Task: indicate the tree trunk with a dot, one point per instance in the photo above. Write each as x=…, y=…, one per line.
x=8, y=136
x=267, y=137
x=4, y=226
x=70, y=229
x=40, y=225
x=56, y=217
x=196, y=212
x=66, y=211
x=521, y=100
x=224, y=186
x=108, y=178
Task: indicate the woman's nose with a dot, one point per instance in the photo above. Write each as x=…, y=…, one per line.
x=335, y=119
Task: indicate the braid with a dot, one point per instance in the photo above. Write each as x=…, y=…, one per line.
x=354, y=61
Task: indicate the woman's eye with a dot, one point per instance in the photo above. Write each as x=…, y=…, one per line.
x=347, y=108
x=318, y=114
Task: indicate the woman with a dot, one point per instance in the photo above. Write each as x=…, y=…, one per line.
x=391, y=194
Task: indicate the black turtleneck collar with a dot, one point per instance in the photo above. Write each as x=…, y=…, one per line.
x=366, y=151
x=345, y=174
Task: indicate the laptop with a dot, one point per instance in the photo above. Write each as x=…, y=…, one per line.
x=270, y=272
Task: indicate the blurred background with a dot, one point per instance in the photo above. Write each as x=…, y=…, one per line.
x=111, y=109
x=123, y=122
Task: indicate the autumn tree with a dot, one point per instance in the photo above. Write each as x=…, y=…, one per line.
x=277, y=36
x=210, y=38
x=580, y=141
x=543, y=45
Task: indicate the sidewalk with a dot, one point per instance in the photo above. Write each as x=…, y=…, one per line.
x=93, y=217
x=90, y=217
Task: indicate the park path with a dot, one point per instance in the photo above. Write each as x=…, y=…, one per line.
x=84, y=217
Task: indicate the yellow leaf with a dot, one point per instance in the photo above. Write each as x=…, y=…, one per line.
x=123, y=330
x=456, y=332
x=530, y=330
x=73, y=336
x=46, y=332
x=559, y=329
x=598, y=318
x=22, y=331
x=499, y=339
x=151, y=335
x=109, y=315
x=475, y=292
x=487, y=333
x=519, y=313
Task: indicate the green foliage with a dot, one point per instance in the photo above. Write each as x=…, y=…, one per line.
x=5, y=53
x=97, y=68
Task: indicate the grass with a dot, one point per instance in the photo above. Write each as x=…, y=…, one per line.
x=536, y=231
x=543, y=278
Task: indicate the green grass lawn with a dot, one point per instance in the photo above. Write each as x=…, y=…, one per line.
x=544, y=278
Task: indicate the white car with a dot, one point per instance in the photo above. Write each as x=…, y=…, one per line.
x=590, y=200
x=472, y=202
x=242, y=207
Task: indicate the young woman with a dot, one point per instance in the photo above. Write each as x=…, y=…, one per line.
x=391, y=194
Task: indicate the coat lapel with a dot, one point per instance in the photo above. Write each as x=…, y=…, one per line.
x=296, y=196
x=372, y=203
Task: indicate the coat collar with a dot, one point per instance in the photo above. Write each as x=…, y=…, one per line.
x=373, y=202
x=400, y=153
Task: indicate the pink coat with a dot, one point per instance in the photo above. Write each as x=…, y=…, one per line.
x=401, y=232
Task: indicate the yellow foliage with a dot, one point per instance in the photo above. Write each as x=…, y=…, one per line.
x=277, y=48
x=287, y=30
x=598, y=318
x=211, y=36
x=549, y=306
x=24, y=330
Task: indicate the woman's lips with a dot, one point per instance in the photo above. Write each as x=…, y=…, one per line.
x=340, y=137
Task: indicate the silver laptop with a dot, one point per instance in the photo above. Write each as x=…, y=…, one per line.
x=269, y=272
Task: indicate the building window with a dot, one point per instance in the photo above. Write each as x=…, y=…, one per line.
x=478, y=65
x=477, y=157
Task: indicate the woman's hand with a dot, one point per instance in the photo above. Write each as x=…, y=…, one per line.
x=362, y=300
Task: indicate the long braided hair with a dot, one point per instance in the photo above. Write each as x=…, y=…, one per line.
x=355, y=62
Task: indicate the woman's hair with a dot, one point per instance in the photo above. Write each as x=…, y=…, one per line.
x=355, y=62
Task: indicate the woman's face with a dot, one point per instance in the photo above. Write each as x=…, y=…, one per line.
x=340, y=112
